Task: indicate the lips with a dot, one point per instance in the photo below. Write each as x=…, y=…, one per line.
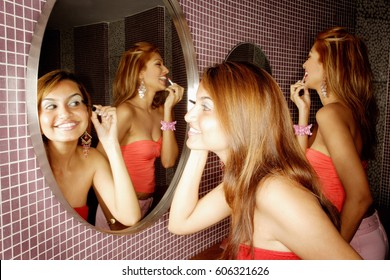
x=193, y=131
x=66, y=126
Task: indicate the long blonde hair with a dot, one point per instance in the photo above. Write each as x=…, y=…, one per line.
x=348, y=75
x=254, y=114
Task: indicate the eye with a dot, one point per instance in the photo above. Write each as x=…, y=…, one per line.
x=75, y=101
x=49, y=106
x=206, y=106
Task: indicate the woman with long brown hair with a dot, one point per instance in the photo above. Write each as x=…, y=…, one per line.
x=268, y=189
x=344, y=136
x=145, y=98
x=64, y=108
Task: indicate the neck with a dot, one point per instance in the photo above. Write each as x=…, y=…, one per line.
x=329, y=98
x=142, y=103
x=60, y=154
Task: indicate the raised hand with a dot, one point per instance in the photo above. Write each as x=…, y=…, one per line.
x=175, y=95
x=302, y=101
x=106, y=126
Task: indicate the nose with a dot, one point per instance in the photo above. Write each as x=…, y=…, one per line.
x=165, y=70
x=63, y=112
x=190, y=116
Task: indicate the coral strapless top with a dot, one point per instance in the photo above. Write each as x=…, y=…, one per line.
x=331, y=185
x=82, y=211
x=244, y=253
x=330, y=182
x=139, y=158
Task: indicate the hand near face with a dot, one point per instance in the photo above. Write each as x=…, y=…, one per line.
x=302, y=101
x=106, y=126
x=175, y=95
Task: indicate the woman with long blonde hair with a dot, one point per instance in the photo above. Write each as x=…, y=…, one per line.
x=145, y=98
x=268, y=189
x=344, y=135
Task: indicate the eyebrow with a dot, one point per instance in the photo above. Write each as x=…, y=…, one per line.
x=70, y=97
x=206, y=97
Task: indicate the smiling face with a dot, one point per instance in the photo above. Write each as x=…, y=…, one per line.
x=205, y=131
x=155, y=74
x=314, y=70
x=62, y=114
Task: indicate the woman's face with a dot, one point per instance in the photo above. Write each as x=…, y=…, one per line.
x=155, y=74
x=205, y=131
x=314, y=70
x=62, y=114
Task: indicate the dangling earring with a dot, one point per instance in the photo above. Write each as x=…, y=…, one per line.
x=86, y=140
x=323, y=88
x=141, y=90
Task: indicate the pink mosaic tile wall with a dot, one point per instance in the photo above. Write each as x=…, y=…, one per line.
x=33, y=224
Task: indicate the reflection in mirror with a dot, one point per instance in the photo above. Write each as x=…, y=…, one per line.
x=250, y=53
x=90, y=46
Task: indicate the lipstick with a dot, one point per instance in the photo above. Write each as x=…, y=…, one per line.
x=304, y=77
x=170, y=81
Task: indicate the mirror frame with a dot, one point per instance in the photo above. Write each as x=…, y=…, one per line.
x=266, y=67
x=186, y=43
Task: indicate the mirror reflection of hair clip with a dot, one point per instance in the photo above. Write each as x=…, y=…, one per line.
x=170, y=81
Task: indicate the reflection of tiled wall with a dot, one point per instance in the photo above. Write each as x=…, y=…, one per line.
x=92, y=60
x=34, y=225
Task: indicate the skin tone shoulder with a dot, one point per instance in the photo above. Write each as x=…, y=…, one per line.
x=64, y=118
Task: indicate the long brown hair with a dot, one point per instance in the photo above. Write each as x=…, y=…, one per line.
x=254, y=113
x=132, y=62
x=348, y=75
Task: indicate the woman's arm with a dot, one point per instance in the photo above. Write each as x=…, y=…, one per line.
x=112, y=180
x=170, y=149
x=188, y=214
x=123, y=123
x=337, y=137
x=303, y=104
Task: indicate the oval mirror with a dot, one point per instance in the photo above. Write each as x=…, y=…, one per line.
x=88, y=38
x=250, y=53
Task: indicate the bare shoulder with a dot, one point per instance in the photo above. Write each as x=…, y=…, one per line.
x=125, y=110
x=95, y=158
x=125, y=113
x=278, y=190
x=334, y=112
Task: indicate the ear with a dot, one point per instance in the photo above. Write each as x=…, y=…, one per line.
x=141, y=75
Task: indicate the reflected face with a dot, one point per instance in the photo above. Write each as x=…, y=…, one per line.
x=155, y=73
x=62, y=114
x=205, y=131
x=314, y=69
